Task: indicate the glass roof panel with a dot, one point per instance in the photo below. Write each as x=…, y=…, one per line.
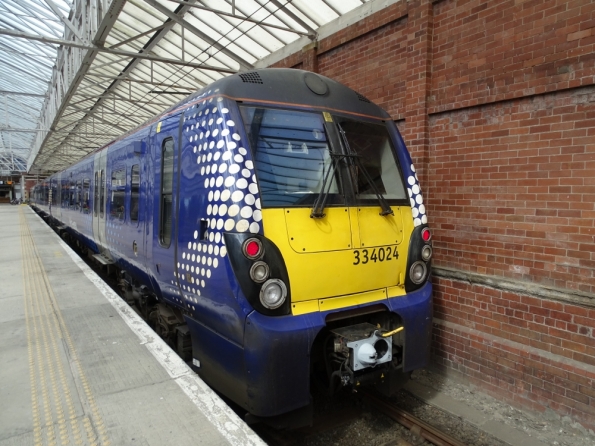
x=73, y=79
x=25, y=71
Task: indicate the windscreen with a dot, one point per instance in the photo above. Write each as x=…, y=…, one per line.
x=292, y=156
x=371, y=142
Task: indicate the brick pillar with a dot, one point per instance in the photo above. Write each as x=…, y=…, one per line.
x=419, y=66
x=310, y=57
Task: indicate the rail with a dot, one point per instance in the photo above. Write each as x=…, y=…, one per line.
x=411, y=422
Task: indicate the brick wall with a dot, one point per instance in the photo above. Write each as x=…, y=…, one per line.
x=496, y=102
x=504, y=49
x=513, y=187
x=383, y=51
x=535, y=352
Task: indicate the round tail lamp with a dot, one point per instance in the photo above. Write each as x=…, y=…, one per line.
x=252, y=248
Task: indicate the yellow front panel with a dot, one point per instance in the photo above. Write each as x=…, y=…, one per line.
x=328, y=274
x=329, y=233
x=335, y=303
x=379, y=230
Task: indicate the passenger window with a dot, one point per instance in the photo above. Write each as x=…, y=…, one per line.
x=134, y=192
x=72, y=194
x=86, y=195
x=77, y=203
x=118, y=189
x=167, y=177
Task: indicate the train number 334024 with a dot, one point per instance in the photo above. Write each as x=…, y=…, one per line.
x=363, y=256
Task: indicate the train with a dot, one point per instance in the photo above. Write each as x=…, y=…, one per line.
x=272, y=228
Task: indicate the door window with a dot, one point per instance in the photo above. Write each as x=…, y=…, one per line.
x=167, y=180
x=134, y=191
x=102, y=195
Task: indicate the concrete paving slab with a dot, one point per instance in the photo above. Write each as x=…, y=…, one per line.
x=12, y=308
x=160, y=411
x=15, y=386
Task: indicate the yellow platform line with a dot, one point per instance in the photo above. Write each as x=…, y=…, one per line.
x=31, y=336
x=45, y=326
x=64, y=391
x=50, y=346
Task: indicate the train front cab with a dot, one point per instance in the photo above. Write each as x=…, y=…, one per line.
x=341, y=288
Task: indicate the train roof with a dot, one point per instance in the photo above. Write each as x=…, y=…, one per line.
x=291, y=86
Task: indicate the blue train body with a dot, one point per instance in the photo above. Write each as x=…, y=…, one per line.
x=173, y=205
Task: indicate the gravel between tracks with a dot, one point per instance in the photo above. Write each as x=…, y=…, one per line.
x=373, y=428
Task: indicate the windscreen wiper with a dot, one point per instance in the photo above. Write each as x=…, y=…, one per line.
x=357, y=161
x=319, y=204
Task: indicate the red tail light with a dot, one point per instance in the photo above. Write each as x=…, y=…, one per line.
x=252, y=248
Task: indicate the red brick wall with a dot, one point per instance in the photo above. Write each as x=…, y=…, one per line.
x=496, y=102
x=492, y=51
x=365, y=64
x=513, y=186
x=536, y=352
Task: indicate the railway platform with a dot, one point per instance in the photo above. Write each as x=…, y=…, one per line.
x=79, y=367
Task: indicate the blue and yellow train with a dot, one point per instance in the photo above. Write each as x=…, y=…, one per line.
x=272, y=228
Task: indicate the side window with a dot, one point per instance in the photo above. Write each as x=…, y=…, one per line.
x=64, y=192
x=86, y=195
x=117, y=208
x=134, y=192
x=96, y=194
x=72, y=194
x=102, y=194
x=167, y=177
x=77, y=203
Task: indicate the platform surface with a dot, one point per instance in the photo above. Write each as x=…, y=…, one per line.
x=79, y=367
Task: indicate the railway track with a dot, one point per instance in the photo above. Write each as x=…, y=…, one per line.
x=411, y=422
x=339, y=420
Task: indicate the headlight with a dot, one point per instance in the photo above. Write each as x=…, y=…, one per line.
x=273, y=294
x=259, y=272
x=418, y=272
x=426, y=252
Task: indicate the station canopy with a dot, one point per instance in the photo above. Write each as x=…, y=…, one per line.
x=74, y=76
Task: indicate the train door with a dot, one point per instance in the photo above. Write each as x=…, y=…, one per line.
x=138, y=214
x=99, y=199
x=165, y=144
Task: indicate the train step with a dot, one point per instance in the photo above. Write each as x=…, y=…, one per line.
x=104, y=260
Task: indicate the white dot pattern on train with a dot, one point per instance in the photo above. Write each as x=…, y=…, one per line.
x=227, y=175
x=418, y=209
